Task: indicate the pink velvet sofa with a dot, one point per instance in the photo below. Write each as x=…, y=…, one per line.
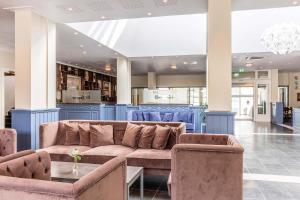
x=8, y=142
x=29, y=177
x=155, y=162
x=207, y=167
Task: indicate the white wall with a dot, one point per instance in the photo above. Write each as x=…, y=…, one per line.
x=7, y=60
x=192, y=80
x=288, y=79
x=9, y=82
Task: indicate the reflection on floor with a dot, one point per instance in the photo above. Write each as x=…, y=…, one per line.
x=271, y=164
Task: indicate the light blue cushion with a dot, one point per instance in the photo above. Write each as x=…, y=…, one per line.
x=168, y=117
x=155, y=116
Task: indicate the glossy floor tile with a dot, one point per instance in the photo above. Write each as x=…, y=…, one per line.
x=271, y=164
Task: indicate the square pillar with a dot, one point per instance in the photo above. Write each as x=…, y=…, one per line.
x=35, y=68
x=219, y=118
x=219, y=61
x=123, y=81
x=2, y=99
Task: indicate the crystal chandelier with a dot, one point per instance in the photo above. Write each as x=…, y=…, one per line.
x=282, y=38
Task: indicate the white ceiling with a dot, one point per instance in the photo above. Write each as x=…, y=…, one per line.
x=69, y=50
x=93, y=10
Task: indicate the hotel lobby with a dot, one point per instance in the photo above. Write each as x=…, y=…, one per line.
x=149, y=99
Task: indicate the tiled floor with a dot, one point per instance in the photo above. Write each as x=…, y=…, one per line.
x=271, y=164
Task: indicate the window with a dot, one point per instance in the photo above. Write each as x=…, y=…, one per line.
x=192, y=96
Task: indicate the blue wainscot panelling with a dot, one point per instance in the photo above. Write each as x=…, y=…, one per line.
x=277, y=113
x=220, y=122
x=121, y=111
x=108, y=112
x=27, y=124
x=80, y=111
x=296, y=118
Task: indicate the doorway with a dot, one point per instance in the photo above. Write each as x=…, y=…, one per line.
x=242, y=102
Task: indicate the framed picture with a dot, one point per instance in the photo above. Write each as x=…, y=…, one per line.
x=298, y=96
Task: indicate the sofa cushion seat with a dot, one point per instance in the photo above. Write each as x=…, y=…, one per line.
x=150, y=158
x=61, y=152
x=102, y=154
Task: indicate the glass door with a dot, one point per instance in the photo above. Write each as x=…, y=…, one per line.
x=262, y=107
x=242, y=102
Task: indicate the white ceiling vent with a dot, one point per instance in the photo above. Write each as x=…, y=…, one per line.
x=100, y=6
x=249, y=58
x=131, y=4
x=164, y=3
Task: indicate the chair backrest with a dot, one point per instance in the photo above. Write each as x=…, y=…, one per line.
x=32, y=166
x=16, y=155
x=207, y=167
x=8, y=141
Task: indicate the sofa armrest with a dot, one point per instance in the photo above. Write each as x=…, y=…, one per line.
x=208, y=148
x=8, y=140
x=106, y=182
x=48, y=134
x=210, y=139
x=181, y=130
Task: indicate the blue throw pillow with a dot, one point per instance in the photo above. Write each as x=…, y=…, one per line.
x=146, y=116
x=168, y=117
x=180, y=117
x=140, y=116
x=155, y=116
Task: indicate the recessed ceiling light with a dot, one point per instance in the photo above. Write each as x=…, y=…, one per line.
x=249, y=64
x=70, y=9
x=185, y=63
x=103, y=17
x=116, y=53
x=270, y=62
x=99, y=45
x=75, y=33
x=194, y=63
x=295, y=2
x=108, y=68
x=165, y=1
x=81, y=46
x=84, y=52
x=173, y=67
x=149, y=13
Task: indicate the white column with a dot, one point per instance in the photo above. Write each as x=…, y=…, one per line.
x=219, y=62
x=123, y=81
x=2, y=102
x=274, y=85
x=35, y=60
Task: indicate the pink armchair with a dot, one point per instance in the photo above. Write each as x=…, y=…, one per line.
x=29, y=177
x=206, y=167
x=8, y=142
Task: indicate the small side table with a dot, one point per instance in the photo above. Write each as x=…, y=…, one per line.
x=133, y=173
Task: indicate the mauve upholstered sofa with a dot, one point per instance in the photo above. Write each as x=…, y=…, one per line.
x=155, y=162
x=29, y=178
x=207, y=167
x=8, y=142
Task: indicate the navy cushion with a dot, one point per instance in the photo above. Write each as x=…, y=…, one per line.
x=146, y=116
x=134, y=116
x=168, y=117
x=181, y=117
x=155, y=116
x=140, y=116
x=189, y=126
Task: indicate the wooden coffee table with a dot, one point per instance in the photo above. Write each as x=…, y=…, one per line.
x=63, y=172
